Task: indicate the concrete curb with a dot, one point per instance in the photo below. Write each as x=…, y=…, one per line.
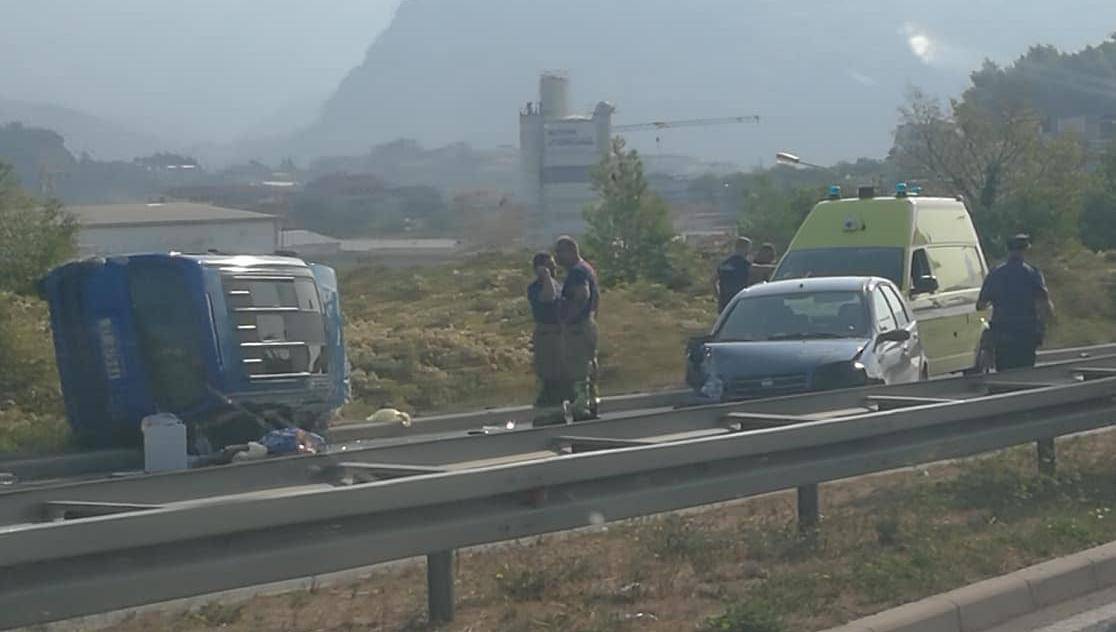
x=995, y=601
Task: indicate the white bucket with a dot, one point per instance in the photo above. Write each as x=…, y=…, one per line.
x=164, y=443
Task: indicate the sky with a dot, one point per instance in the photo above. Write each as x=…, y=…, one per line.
x=210, y=72
x=242, y=62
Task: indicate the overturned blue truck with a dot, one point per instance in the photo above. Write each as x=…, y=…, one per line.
x=234, y=345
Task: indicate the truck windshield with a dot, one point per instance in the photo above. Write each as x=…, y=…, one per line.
x=830, y=262
x=167, y=315
x=279, y=324
x=795, y=317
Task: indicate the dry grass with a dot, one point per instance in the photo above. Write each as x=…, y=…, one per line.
x=884, y=540
x=458, y=337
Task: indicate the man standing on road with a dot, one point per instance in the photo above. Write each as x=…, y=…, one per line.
x=1021, y=307
x=732, y=274
x=580, y=299
x=547, y=341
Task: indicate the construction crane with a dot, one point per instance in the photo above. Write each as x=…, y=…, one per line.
x=701, y=122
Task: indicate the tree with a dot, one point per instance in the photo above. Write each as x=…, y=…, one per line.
x=34, y=235
x=995, y=154
x=1098, y=216
x=979, y=151
x=770, y=212
x=629, y=231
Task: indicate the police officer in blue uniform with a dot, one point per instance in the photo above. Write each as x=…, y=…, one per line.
x=1021, y=307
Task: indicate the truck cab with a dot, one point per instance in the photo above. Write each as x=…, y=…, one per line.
x=233, y=345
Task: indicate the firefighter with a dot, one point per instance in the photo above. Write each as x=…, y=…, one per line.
x=732, y=274
x=578, y=309
x=547, y=341
x=1021, y=307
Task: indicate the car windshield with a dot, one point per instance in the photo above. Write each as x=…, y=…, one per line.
x=798, y=316
x=829, y=262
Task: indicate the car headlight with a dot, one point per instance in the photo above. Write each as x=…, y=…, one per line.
x=840, y=375
x=713, y=386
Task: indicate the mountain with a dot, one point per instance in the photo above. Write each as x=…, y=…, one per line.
x=83, y=132
x=826, y=77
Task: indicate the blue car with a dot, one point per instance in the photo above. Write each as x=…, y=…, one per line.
x=233, y=345
x=804, y=335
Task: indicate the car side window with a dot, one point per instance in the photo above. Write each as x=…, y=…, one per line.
x=897, y=305
x=885, y=319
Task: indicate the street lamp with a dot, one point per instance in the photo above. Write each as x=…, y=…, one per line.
x=784, y=158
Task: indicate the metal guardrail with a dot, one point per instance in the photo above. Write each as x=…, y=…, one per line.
x=190, y=543
x=456, y=452
x=107, y=461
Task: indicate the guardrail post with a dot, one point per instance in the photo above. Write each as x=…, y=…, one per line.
x=439, y=586
x=1047, y=457
x=808, y=514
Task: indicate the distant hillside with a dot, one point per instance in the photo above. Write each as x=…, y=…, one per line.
x=826, y=76
x=104, y=140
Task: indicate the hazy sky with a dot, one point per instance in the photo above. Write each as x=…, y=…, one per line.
x=208, y=71
x=239, y=61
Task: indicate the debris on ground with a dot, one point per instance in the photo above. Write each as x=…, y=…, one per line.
x=390, y=415
x=292, y=441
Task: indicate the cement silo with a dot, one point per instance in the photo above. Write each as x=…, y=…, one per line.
x=558, y=151
x=554, y=95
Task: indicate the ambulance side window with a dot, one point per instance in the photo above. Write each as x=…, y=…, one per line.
x=920, y=266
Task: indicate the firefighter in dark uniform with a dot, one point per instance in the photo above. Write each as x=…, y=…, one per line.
x=547, y=341
x=579, y=302
x=1021, y=307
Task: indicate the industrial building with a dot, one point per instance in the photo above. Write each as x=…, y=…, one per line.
x=391, y=253
x=558, y=150
x=172, y=226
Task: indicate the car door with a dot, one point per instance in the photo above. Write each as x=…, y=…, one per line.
x=909, y=368
x=936, y=332
x=889, y=355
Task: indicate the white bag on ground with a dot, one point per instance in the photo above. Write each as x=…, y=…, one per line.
x=390, y=415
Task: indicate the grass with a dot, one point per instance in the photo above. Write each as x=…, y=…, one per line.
x=31, y=415
x=883, y=541
x=458, y=337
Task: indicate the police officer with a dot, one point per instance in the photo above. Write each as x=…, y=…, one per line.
x=579, y=302
x=1021, y=307
x=547, y=341
x=732, y=274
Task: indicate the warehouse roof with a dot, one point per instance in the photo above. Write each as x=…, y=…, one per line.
x=160, y=213
x=295, y=238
